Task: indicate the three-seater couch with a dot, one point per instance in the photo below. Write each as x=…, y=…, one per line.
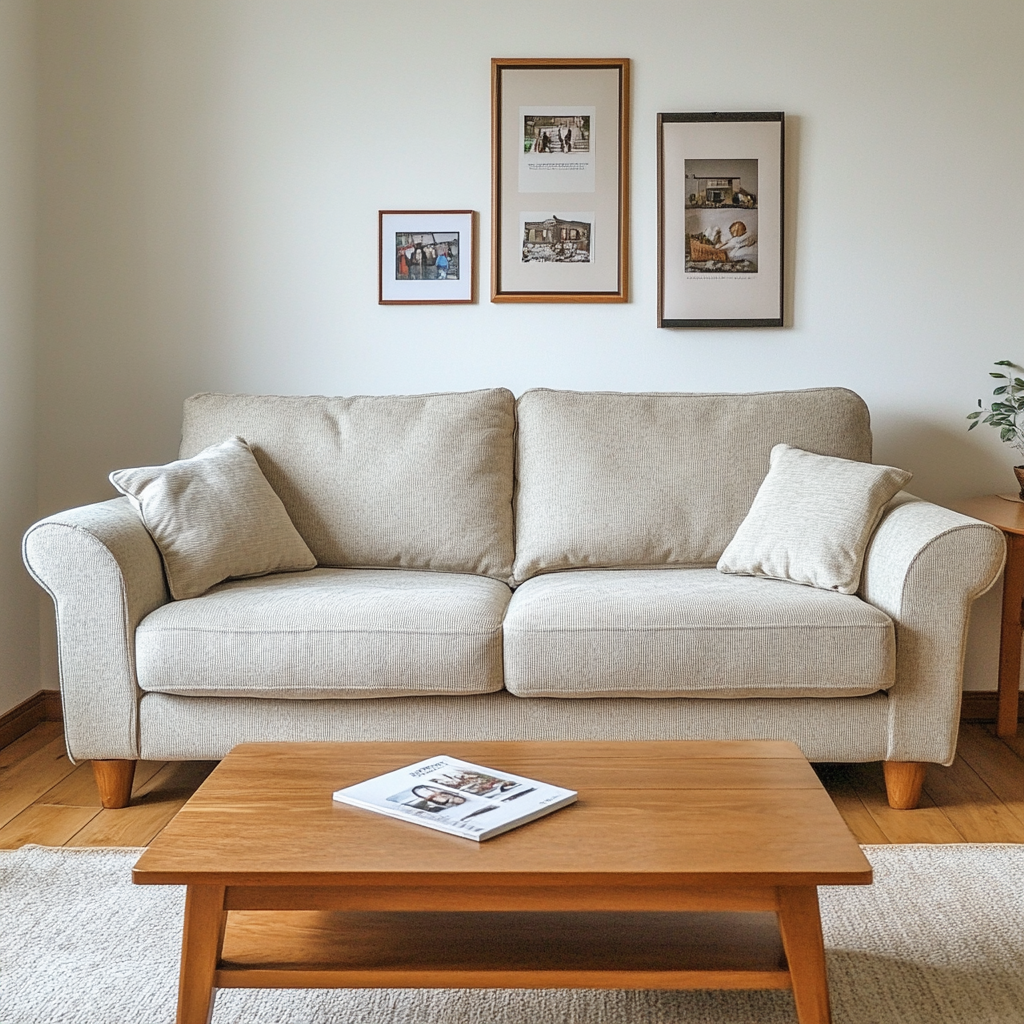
x=498, y=569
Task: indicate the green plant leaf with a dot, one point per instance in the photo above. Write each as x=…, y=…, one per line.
x=1001, y=376
x=1006, y=433
x=972, y=426
x=974, y=415
x=1003, y=362
x=1001, y=390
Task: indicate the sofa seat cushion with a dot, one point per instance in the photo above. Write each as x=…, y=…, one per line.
x=329, y=633
x=691, y=633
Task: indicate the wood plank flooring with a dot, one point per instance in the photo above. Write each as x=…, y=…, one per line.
x=45, y=799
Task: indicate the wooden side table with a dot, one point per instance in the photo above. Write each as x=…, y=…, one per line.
x=1007, y=514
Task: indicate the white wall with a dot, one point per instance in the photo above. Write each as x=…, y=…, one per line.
x=19, y=640
x=211, y=172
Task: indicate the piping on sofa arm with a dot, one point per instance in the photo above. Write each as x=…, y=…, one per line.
x=924, y=568
x=104, y=574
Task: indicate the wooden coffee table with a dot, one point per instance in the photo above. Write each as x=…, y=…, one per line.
x=683, y=865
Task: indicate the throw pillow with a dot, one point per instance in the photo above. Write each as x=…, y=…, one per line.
x=811, y=520
x=214, y=517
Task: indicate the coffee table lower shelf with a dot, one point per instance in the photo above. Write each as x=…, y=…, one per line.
x=612, y=950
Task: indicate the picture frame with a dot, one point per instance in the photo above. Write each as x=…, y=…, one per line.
x=426, y=257
x=721, y=219
x=559, y=179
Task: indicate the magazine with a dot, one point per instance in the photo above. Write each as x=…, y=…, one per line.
x=457, y=797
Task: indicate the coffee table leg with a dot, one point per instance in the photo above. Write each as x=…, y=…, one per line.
x=201, y=942
x=800, y=924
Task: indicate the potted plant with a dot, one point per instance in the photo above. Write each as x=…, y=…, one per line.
x=1005, y=412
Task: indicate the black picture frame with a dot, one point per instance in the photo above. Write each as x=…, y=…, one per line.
x=712, y=167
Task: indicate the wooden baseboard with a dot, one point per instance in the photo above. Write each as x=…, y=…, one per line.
x=43, y=706
x=981, y=706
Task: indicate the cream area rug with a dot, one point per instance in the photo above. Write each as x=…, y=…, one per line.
x=938, y=939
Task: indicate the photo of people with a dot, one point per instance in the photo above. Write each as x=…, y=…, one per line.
x=474, y=782
x=556, y=133
x=721, y=216
x=557, y=238
x=427, y=256
x=428, y=798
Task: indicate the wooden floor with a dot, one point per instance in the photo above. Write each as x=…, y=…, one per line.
x=45, y=799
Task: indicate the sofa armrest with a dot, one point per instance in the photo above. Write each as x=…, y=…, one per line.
x=104, y=574
x=924, y=568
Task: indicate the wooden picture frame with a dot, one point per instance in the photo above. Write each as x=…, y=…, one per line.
x=721, y=219
x=559, y=179
x=426, y=257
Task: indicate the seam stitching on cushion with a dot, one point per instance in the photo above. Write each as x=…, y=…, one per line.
x=703, y=629
x=319, y=632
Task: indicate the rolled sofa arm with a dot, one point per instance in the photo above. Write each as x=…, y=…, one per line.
x=104, y=574
x=924, y=568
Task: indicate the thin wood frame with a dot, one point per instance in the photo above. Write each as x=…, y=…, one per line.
x=468, y=264
x=500, y=292
x=717, y=117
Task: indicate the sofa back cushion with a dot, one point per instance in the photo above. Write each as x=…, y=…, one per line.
x=629, y=480
x=411, y=481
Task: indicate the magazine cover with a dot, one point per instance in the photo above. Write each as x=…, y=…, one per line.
x=457, y=797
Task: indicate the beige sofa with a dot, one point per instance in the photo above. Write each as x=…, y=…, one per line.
x=500, y=569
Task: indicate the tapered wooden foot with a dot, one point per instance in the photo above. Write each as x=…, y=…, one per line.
x=903, y=782
x=114, y=781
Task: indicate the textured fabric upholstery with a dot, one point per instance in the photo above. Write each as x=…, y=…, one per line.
x=329, y=633
x=103, y=572
x=924, y=567
x=692, y=632
x=842, y=729
x=214, y=517
x=619, y=480
x=412, y=482
x=812, y=519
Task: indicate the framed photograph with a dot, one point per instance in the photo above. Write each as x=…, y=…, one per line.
x=559, y=180
x=720, y=219
x=426, y=256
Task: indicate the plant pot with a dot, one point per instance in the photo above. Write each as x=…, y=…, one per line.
x=1018, y=471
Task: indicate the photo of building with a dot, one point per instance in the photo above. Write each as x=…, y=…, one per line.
x=557, y=240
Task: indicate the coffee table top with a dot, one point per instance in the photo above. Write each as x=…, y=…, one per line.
x=676, y=812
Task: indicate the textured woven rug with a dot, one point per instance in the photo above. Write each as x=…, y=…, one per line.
x=938, y=939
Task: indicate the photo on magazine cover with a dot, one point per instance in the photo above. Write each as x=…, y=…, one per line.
x=428, y=798
x=721, y=216
x=455, y=809
x=474, y=782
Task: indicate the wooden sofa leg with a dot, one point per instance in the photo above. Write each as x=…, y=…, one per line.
x=114, y=781
x=903, y=782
